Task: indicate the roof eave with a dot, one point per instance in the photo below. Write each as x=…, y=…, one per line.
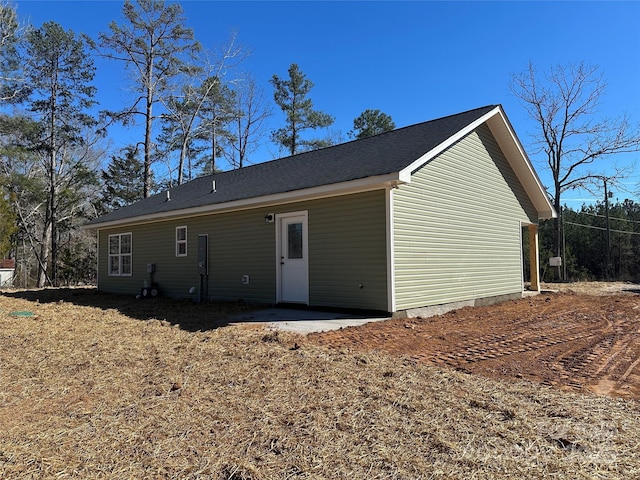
x=323, y=191
x=510, y=144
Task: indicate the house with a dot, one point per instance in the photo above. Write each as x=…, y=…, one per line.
x=425, y=216
x=7, y=272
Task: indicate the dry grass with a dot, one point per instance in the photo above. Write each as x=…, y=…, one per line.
x=593, y=288
x=92, y=392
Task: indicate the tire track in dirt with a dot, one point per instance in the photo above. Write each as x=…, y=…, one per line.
x=574, y=342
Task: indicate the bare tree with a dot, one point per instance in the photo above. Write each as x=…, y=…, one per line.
x=184, y=119
x=12, y=80
x=564, y=102
x=156, y=46
x=25, y=173
x=215, y=116
x=23, y=179
x=249, y=121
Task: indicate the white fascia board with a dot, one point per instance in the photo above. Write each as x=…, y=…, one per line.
x=516, y=156
x=324, y=191
x=405, y=173
x=520, y=163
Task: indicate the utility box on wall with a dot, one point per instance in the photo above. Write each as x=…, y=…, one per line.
x=203, y=254
x=203, y=267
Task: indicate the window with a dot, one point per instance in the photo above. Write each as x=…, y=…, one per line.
x=120, y=254
x=181, y=241
x=294, y=240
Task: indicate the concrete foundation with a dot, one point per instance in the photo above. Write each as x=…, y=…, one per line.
x=433, y=310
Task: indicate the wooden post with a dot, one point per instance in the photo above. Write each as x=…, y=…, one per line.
x=534, y=257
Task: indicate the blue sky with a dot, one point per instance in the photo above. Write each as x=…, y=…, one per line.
x=414, y=61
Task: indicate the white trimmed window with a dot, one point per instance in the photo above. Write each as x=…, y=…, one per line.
x=181, y=241
x=120, y=254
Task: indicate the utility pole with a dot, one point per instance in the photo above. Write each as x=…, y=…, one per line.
x=607, y=195
x=564, y=250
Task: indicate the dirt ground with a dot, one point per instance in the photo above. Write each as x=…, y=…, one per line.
x=577, y=337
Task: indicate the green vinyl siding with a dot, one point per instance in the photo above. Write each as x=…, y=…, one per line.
x=347, y=253
x=457, y=226
x=239, y=244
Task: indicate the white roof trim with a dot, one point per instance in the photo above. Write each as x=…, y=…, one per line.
x=406, y=172
x=518, y=159
x=335, y=189
x=515, y=154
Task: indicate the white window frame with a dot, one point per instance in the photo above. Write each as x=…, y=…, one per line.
x=180, y=242
x=119, y=256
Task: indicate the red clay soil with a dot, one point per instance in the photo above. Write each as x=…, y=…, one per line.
x=577, y=342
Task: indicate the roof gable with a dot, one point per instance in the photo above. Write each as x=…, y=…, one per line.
x=388, y=157
x=509, y=143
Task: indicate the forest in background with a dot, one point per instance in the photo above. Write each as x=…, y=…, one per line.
x=593, y=251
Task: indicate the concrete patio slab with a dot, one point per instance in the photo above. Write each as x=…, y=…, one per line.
x=303, y=321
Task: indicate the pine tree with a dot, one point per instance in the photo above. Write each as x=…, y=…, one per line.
x=291, y=96
x=122, y=181
x=371, y=122
x=59, y=73
x=155, y=43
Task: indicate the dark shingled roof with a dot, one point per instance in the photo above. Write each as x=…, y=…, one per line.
x=378, y=155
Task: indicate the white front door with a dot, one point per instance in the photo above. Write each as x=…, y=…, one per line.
x=292, y=258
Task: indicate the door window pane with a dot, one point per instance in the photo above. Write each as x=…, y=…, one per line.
x=294, y=240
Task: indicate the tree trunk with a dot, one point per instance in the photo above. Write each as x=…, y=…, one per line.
x=51, y=208
x=183, y=154
x=240, y=142
x=213, y=146
x=147, y=152
x=44, y=255
x=54, y=232
x=147, y=130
